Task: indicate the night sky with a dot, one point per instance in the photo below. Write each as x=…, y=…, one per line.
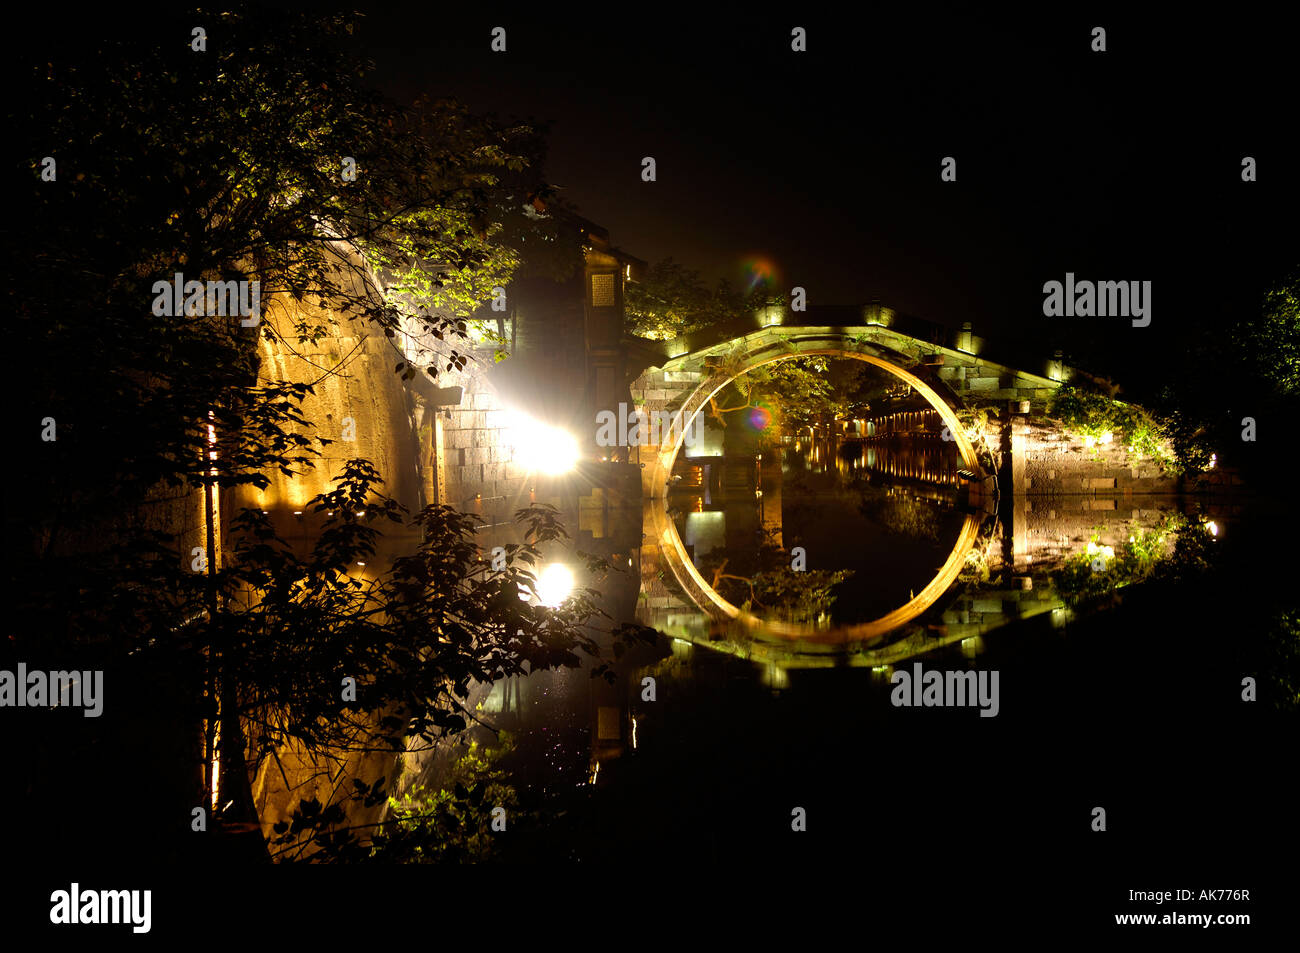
x=1123, y=165
x=1116, y=166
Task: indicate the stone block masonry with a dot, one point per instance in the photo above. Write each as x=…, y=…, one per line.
x=478, y=461
x=1057, y=464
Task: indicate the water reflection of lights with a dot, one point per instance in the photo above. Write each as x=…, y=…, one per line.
x=923, y=458
x=1105, y=552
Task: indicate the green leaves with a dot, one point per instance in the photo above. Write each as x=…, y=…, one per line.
x=227, y=168
x=1093, y=415
x=1272, y=342
x=671, y=300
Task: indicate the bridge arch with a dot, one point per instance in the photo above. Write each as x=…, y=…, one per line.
x=771, y=349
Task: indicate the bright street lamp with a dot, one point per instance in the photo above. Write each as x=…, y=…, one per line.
x=554, y=584
x=542, y=448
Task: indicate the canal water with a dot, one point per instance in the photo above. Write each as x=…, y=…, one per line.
x=1119, y=630
x=827, y=506
x=710, y=762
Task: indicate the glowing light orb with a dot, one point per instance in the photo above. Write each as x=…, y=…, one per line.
x=554, y=584
x=759, y=272
x=542, y=448
x=760, y=418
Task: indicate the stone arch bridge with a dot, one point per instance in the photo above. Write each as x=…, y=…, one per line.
x=949, y=370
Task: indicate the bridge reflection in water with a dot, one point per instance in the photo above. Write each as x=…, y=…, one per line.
x=884, y=506
x=814, y=494
x=756, y=539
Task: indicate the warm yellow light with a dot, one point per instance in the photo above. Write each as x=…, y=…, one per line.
x=1213, y=527
x=216, y=764
x=542, y=448
x=554, y=584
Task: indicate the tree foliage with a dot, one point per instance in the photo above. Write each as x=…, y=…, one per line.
x=1246, y=366
x=415, y=637
x=229, y=165
x=447, y=823
x=672, y=300
x=1095, y=415
x=1271, y=342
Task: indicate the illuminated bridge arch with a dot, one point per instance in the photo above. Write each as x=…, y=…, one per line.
x=692, y=373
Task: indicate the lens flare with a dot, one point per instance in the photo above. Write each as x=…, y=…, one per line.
x=760, y=418
x=759, y=272
x=554, y=584
x=541, y=448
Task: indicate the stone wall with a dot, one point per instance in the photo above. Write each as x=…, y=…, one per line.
x=1048, y=462
x=478, y=461
x=978, y=612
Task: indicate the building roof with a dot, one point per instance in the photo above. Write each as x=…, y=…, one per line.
x=595, y=235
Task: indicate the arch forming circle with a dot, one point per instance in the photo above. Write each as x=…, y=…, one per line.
x=708, y=599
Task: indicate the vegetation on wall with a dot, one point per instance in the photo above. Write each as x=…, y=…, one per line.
x=1176, y=547
x=1102, y=419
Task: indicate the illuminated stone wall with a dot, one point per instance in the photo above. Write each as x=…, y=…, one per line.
x=1051, y=462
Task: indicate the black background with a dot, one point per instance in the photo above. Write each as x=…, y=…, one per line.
x=1116, y=165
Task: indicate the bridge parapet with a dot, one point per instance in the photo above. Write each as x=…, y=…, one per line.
x=970, y=378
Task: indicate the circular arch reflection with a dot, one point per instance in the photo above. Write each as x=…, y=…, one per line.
x=708, y=598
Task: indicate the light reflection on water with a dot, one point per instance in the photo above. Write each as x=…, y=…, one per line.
x=885, y=508
x=882, y=510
